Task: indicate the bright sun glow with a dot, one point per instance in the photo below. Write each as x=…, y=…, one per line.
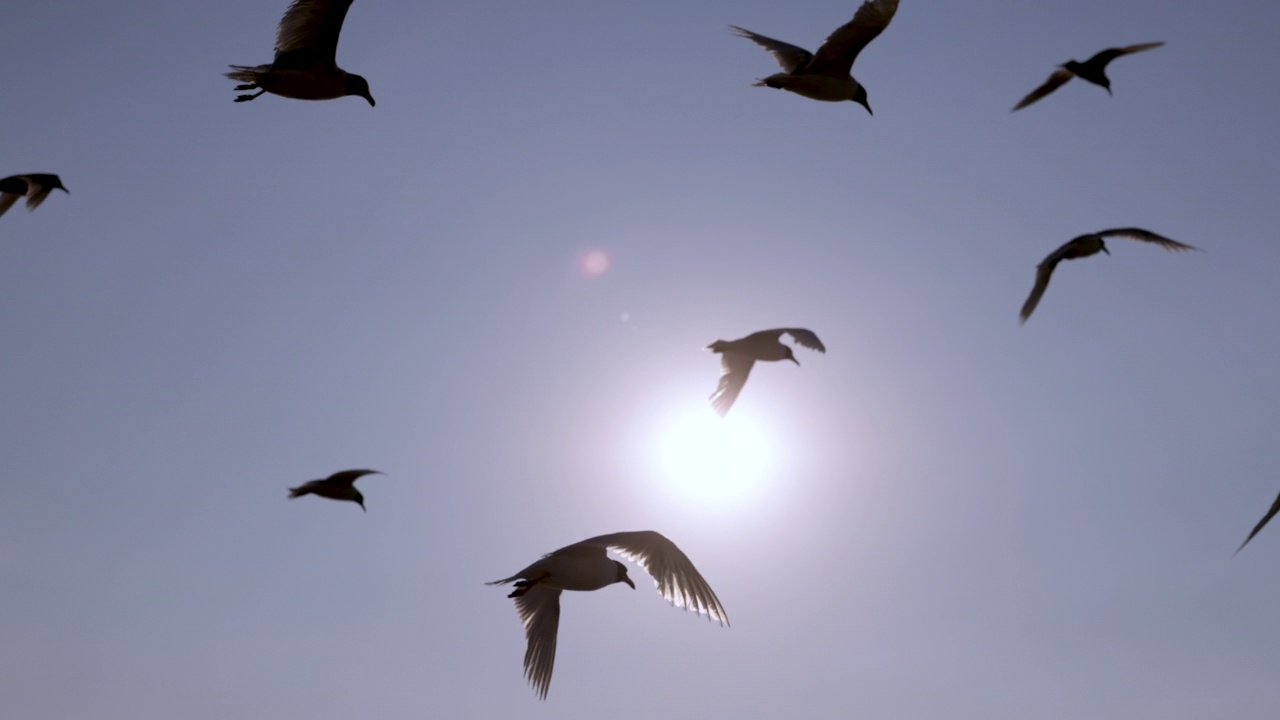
x=713, y=460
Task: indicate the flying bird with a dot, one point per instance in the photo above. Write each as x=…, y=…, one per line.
x=738, y=356
x=1084, y=246
x=1275, y=508
x=1094, y=70
x=825, y=75
x=305, y=66
x=34, y=186
x=338, y=486
x=585, y=566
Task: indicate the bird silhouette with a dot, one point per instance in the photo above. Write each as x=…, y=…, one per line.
x=305, y=66
x=1275, y=508
x=825, y=75
x=1094, y=70
x=585, y=566
x=1084, y=246
x=34, y=186
x=738, y=356
x=338, y=486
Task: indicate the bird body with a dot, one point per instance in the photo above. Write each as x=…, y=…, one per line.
x=825, y=74
x=305, y=66
x=586, y=566
x=34, y=186
x=737, y=357
x=1093, y=70
x=1084, y=246
x=338, y=486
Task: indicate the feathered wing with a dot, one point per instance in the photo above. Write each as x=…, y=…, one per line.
x=1110, y=54
x=347, y=477
x=678, y=581
x=7, y=199
x=734, y=370
x=539, y=610
x=790, y=57
x=1055, y=81
x=37, y=190
x=11, y=189
x=806, y=338
x=841, y=48
x=1043, y=271
x=308, y=33
x=1133, y=233
x=1275, y=508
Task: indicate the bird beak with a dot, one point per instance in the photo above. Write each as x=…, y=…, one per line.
x=370, y=99
x=1105, y=250
x=627, y=580
x=362, y=508
x=797, y=362
x=867, y=106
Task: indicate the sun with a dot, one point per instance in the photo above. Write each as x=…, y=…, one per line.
x=714, y=461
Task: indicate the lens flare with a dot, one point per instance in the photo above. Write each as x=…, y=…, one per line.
x=594, y=263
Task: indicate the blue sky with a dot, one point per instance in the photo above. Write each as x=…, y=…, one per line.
x=953, y=515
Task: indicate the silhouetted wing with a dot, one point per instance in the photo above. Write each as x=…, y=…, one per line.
x=1275, y=507
x=1110, y=54
x=790, y=57
x=1056, y=80
x=1043, y=271
x=11, y=188
x=38, y=188
x=673, y=573
x=806, y=338
x=308, y=33
x=734, y=370
x=841, y=48
x=1147, y=236
x=348, y=477
x=539, y=610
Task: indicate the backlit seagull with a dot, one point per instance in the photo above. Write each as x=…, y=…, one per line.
x=1084, y=246
x=585, y=566
x=305, y=66
x=34, y=186
x=1094, y=70
x=338, y=486
x=738, y=356
x=825, y=75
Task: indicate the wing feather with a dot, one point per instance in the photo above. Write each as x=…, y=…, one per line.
x=734, y=371
x=1055, y=81
x=308, y=33
x=1110, y=54
x=677, y=580
x=1043, y=271
x=790, y=57
x=1133, y=233
x=539, y=611
x=806, y=338
x=841, y=48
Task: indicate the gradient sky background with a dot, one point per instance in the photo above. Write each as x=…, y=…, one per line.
x=959, y=517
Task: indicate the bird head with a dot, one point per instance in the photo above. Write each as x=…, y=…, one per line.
x=1102, y=245
x=57, y=185
x=790, y=354
x=860, y=97
x=359, y=500
x=622, y=575
x=358, y=86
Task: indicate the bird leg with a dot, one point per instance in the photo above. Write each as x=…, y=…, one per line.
x=247, y=86
x=246, y=98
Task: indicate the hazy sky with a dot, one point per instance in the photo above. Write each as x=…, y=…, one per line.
x=949, y=515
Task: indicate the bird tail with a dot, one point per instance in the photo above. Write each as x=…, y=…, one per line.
x=718, y=346
x=503, y=581
x=246, y=74
x=298, y=492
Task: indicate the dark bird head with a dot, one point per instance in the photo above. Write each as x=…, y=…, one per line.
x=790, y=354
x=358, y=86
x=359, y=500
x=622, y=575
x=860, y=97
x=1102, y=244
x=56, y=184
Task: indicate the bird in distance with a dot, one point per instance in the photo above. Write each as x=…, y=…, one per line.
x=738, y=356
x=586, y=566
x=305, y=67
x=1094, y=70
x=338, y=486
x=34, y=186
x=1084, y=246
x=825, y=75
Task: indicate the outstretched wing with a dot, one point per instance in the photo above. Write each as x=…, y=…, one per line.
x=1133, y=233
x=308, y=33
x=790, y=57
x=674, y=574
x=806, y=338
x=11, y=189
x=1275, y=507
x=1043, y=272
x=539, y=610
x=841, y=48
x=1056, y=80
x=348, y=477
x=734, y=370
x=1110, y=54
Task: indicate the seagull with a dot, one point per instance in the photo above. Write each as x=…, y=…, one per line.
x=585, y=566
x=737, y=357
x=338, y=486
x=1084, y=246
x=1094, y=70
x=1275, y=508
x=305, y=66
x=35, y=186
x=824, y=75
